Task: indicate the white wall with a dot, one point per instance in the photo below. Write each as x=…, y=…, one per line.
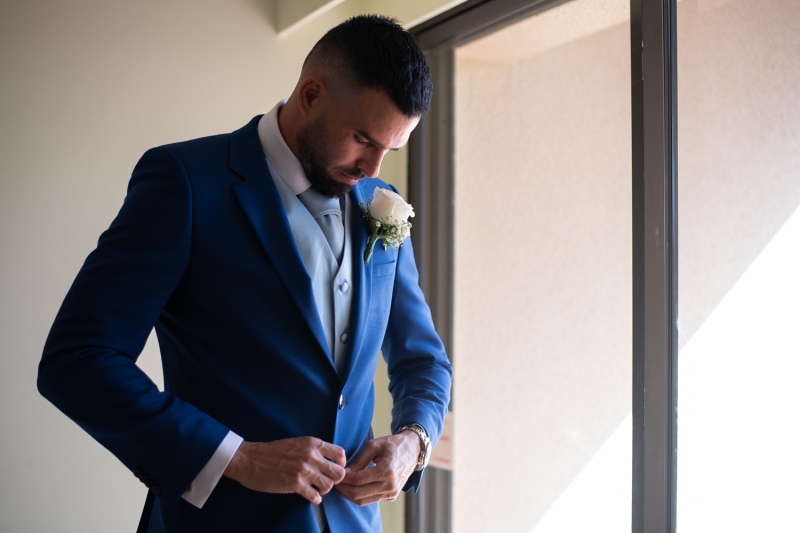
x=86, y=86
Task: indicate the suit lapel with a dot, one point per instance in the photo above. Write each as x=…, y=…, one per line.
x=362, y=276
x=262, y=205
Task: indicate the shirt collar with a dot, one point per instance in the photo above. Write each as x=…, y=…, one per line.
x=279, y=155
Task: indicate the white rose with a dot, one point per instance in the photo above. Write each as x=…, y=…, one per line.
x=389, y=207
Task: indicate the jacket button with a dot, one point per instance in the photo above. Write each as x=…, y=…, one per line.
x=341, y=401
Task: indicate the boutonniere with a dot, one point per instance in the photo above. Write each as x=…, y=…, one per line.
x=387, y=215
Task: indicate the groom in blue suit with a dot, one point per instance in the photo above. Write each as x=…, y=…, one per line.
x=269, y=325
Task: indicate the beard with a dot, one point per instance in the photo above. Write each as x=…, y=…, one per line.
x=314, y=154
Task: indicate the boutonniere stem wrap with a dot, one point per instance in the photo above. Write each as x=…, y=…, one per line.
x=387, y=215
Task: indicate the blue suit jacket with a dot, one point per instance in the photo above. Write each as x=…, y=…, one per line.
x=203, y=251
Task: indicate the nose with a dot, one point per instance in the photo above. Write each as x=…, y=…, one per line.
x=370, y=164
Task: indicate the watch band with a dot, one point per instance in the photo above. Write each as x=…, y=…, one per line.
x=425, y=446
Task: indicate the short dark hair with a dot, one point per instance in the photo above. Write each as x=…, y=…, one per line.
x=376, y=52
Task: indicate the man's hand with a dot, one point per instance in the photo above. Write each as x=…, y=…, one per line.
x=394, y=457
x=306, y=466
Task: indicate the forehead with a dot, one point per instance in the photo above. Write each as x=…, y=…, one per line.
x=372, y=112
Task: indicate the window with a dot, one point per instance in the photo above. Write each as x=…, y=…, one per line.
x=438, y=175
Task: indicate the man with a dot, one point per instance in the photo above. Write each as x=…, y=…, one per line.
x=269, y=325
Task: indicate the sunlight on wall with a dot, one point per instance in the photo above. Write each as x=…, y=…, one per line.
x=591, y=502
x=739, y=288
x=738, y=401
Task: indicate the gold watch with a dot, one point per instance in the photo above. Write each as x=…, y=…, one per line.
x=425, y=446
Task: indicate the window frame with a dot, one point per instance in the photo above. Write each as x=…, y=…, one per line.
x=654, y=238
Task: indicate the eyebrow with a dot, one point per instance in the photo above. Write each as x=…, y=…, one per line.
x=368, y=137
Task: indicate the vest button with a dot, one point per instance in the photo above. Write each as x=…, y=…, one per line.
x=341, y=401
x=344, y=286
x=343, y=338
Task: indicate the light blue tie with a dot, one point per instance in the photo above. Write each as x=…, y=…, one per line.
x=328, y=214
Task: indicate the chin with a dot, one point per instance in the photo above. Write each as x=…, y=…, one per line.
x=333, y=188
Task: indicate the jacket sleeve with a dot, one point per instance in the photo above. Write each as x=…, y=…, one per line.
x=419, y=370
x=88, y=369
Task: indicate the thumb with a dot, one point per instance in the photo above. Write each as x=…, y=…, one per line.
x=361, y=461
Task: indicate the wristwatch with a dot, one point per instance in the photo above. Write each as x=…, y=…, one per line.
x=425, y=447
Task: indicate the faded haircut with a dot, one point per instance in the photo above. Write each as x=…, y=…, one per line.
x=375, y=52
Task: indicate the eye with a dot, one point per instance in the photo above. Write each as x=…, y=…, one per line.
x=362, y=141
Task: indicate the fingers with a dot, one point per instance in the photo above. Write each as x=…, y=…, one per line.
x=375, y=484
x=328, y=475
x=367, y=456
x=334, y=453
x=318, y=467
x=393, y=464
x=367, y=494
x=306, y=466
x=307, y=491
x=311, y=468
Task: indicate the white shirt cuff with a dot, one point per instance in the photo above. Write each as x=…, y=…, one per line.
x=209, y=476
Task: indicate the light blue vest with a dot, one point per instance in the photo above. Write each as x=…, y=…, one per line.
x=332, y=283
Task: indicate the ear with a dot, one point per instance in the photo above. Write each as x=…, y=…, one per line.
x=311, y=95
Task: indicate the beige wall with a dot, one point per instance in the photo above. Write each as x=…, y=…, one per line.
x=542, y=336
x=739, y=239
x=86, y=87
x=739, y=161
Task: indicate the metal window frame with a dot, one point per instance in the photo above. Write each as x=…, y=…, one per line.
x=654, y=238
x=655, y=263
x=430, y=191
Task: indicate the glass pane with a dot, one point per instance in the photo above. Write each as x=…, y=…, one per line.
x=739, y=234
x=542, y=333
